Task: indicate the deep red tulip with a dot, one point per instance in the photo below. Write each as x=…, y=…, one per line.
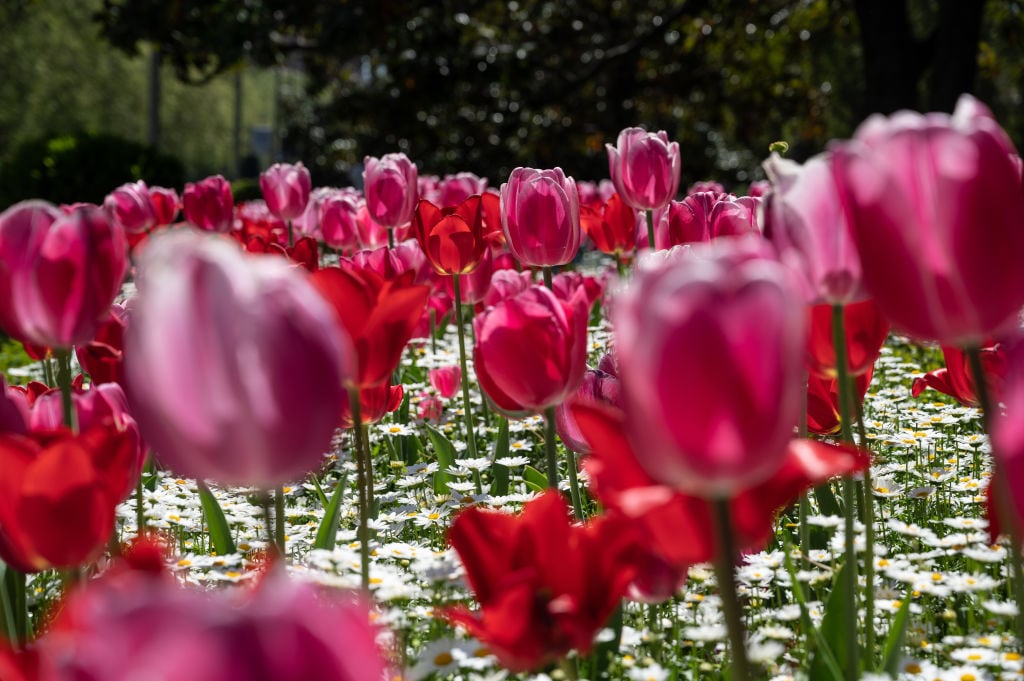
x=934, y=204
x=531, y=350
x=390, y=186
x=866, y=331
x=956, y=380
x=545, y=586
x=491, y=203
x=102, y=356
x=379, y=315
x=452, y=237
x=165, y=204
x=703, y=217
x=823, y=401
x=131, y=206
x=374, y=403
x=645, y=168
x=286, y=189
x=256, y=220
x=59, y=273
x=209, y=204
x=58, y=494
x=540, y=216
x=612, y=226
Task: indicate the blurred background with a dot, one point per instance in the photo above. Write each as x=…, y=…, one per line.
x=94, y=93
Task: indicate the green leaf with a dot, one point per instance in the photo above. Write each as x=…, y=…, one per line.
x=534, y=479
x=327, y=533
x=499, y=485
x=220, y=533
x=823, y=656
x=319, y=492
x=827, y=502
x=892, y=652
x=833, y=629
x=445, y=452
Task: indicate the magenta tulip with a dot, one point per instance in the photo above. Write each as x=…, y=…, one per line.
x=710, y=345
x=934, y=204
x=390, y=185
x=446, y=380
x=286, y=189
x=131, y=206
x=337, y=214
x=531, y=350
x=600, y=385
x=454, y=189
x=209, y=204
x=59, y=273
x=702, y=217
x=540, y=216
x=233, y=364
x=165, y=204
x=645, y=168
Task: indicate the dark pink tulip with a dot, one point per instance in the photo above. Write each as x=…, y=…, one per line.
x=645, y=168
x=446, y=380
x=540, y=216
x=1008, y=432
x=338, y=213
x=454, y=189
x=209, y=204
x=131, y=206
x=706, y=186
x=371, y=234
x=531, y=350
x=391, y=262
x=599, y=385
x=565, y=284
x=14, y=410
x=390, y=185
x=807, y=223
x=759, y=188
x=59, y=273
x=505, y=284
x=286, y=189
x=165, y=204
x=934, y=204
x=429, y=188
x=710, y=344
x=233, y=364
x=702, y=217
x=430, y=408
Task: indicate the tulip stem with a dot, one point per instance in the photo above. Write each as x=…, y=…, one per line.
x=467, y=412
x=47, y=370
x=852, y=668
x=726, y=576
x=650, y=228
x=140, y=511
x=548, y=277
x=550, y=447
x=869, y=540
x=64, y=380
x=1003, y=494
x=620, y=266
x=279, y=520
x=805, y=504
x=291, y=235
x=364, y=512
x=391, y=237
x=15, y=608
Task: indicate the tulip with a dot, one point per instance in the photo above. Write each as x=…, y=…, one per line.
x=446, y=380
x=699, y=186
x=337, y=217
x=165, y=204
x=59, y=493
x=454, y=189
x=452, y=238
x=730, y=329
x=599, y=385
x=286, y=189
x=14, y=410
x=565, y=284
x=806, y=222
x=823, y=416
x=473, y=287
x=390, y=186
x=545, y=586
x=934, y=204
x=234, y=367
x=759, y=188
x=131, y=206
x=209, y=204
x=531, y=350
x=506, y=284
x=58, y=273
x=704, y=216
x=374, y=404
x=644, y=168
x=955, y=378
x=540, y=216
x=612, y=226
x=102, y=356
x=866, y=331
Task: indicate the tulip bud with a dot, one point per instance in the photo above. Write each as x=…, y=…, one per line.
x=540, y=215
x=209, y=205
x=286, y=189
x=131, y=207
x=390, y=186
x=644, y=168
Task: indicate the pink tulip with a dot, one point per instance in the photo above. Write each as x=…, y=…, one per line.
x=209, y=204
x=337, y=215
x=286, y=189
x=531, y=350
x=59, y=273
x=807, y=224
x=644, y=168
x=454, y=189
x=702, y=217
x=391, y=262
x=599, y=385
x=706, y=186
x=165, y=204
x=1008, y=433
x=390, y=185
x=758, y=188
x=540, y=216
x=710, y=346
x=131, y=206
x=233, y=364
x=505, y=284
x=446, y=380
x=934, y=204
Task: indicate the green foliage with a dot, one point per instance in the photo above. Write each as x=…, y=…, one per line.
x=247, y=189
x=12, y=354
x=83, y=167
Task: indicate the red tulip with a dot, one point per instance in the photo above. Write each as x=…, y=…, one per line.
x=823, y=401
x=131, y=207
x=934, y=205
x=58, y=494
x=545, y=586
x=452, y=238
x=703, y=217
x=956, y=379
x=102, y=356
x=531, y=350
x=379, y=315
x=473, y=287
x=59, y=273
x=390, y=186
x=286, y=189
x=644, y=167
x=612, y=226
x=374, y=403
x=866, y=331
x=540, y=215
x=209, y=204
x=710, y=345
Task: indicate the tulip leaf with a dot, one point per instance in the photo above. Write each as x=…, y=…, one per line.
x=892, y=650
x=499, y=485
x=319, y=492
x=827, y=502
x=445, y=452
x=823, y=657
x=833, y=629
x=327, y=532
x=220, y=533
x=534, y=479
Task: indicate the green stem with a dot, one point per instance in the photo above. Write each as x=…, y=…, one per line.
x=64, y=380
x=291, y=235
x=15, y=604
x=391, y=237
x=433, y=335
x=849, y=494
x=467, y=412
x=551, y=453
x=805, y=504
x=574, y=485
x=48, y=371
x=724, y=572
x=140, y=511
x=620, y=265
x=1004, y=494
x=363, y=532
x=869, y=541
x=279, y=520
x=548, y=278
x=650, y=228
